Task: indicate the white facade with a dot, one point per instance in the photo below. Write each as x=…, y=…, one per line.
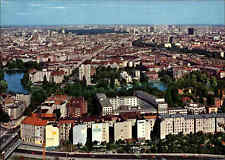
x=80, y=134
x=206, y=123
x=166, y=127
x=39, y=76
x=143, y=130
x=100, y=132
x=127, y=101
x=85, y=71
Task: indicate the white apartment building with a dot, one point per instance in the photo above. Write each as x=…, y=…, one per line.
x=189, y=126
x=178, y=123
x=206, y=123
x=166, y=127
x=80, y=134
x=126, y=101
x=100, y=132
x=143, y=130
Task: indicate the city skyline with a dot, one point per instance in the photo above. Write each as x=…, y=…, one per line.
x=52, y=12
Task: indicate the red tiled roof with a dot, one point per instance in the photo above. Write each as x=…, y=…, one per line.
x=35, y=120
x=66, y=122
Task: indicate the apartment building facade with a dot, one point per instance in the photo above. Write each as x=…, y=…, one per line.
x=122, y=130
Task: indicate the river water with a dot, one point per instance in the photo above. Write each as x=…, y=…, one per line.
x=14, y=82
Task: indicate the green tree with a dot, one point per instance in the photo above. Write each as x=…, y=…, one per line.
x=38, y=96
x=26, y=82
x=213, y=82
x=3, y=86
x=1, y=75
x=4, y=117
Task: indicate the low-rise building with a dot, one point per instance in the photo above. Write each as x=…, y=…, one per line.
x=14, y=108
x=195, y=108
x=177, y=111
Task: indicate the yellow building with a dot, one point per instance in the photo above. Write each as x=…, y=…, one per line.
x=52, y=136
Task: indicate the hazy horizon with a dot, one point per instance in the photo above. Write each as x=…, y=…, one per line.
x=110, y=12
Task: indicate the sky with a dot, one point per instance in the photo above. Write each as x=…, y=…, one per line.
x=67, y=12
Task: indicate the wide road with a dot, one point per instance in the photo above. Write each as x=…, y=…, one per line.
x=163, y=156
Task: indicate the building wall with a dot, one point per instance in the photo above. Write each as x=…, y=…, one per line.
x=27, y=133
x=39, y=134
x=25, y=98
x=85, y=71
x=127, y=101
x=189, y=126
x=52, y=136
x=122, y=130
x=219, y=122
x=64, y=131
x=143, y=130
x=100, y=132
x=199, y=125
x=39, y=76
x=80, y=134
x=178, y=123
x=206, y=123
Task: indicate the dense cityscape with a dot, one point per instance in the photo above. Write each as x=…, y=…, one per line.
x=113, y=89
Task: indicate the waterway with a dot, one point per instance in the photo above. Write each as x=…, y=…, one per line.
x=14, y=82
